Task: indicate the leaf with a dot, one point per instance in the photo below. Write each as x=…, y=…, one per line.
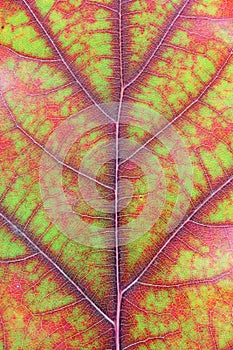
x=116, y=193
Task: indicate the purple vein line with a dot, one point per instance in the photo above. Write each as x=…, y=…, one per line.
x=63, y=59
x=118, y=287
x=175, y=233
x=192, y=283
x=159, y=44
x=79, y=289
x=187, y=108
x=46, y=151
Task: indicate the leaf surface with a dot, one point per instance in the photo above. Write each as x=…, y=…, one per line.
x=148, y=87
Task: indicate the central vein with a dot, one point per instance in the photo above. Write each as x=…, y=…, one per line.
x=118, y=287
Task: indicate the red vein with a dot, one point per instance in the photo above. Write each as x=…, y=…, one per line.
x=43, y=60
x=162, y=337
x=159, y=44
x=53, y=311
x=98, y=4
x=210, y=225
x=57, y=267
x=175, y=233
x=18, y=260
x=40, y=24
x=187, y=284
x=207, y=18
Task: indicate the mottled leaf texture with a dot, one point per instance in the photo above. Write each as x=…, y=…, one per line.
x=158, y=206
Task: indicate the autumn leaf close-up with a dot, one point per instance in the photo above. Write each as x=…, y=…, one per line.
x=116, y=218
